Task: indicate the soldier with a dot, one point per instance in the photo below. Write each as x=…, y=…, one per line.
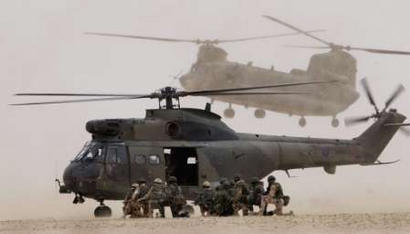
x=240, y=196
x=175, y=197
x=223, y=199
x=143, y=189
x=256, y=191
x=205, y=199
x=155, y=197
x=273, y=195
x=127, y=208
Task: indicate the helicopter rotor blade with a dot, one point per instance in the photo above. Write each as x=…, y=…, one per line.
x=83, y=100
x=379, y=51
x=78, y=94
x=198, y=41
x=211, y=91
x=143, y=37
x=356, y=120
x=307, y=47
x=267, y=37
x=369, y=94
x=394, y=96
x=298, y=30
x=248, y=93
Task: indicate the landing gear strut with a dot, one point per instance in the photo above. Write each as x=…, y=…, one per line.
x=102, y=210
x=335, y=122
x=78, y=199
x=302, y=121
x=229, y=112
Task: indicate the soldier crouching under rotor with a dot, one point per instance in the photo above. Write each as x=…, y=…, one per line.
x=274, y=195
x=155, y=198
x=205, y=199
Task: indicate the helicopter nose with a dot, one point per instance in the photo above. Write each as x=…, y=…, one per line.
x=68, y=177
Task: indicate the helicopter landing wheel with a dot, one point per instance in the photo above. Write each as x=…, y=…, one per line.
x=102, y=211
x=229, y=113
x=335, y=122
x=260, y=113
x=302, y=121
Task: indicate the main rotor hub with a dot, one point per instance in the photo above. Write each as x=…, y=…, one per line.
x=168, y=94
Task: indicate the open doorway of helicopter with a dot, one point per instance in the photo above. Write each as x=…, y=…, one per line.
x=182, y=162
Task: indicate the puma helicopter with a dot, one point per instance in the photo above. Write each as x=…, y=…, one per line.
x=212, y=70
x=194, y=145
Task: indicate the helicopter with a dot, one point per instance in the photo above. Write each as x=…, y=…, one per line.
x=213, y=70
x=195, y=145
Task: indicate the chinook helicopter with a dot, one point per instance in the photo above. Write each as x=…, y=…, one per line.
x=194, y=145
x=213, y=70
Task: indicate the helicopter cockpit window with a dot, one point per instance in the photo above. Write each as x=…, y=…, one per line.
x=153, y=159
x=90, y=152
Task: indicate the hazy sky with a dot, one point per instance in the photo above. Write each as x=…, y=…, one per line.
x=43, y=48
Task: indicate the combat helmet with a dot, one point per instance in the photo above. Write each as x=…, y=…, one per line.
x=172, y=179
x=206, y=184
x=271, y=178
x=157, y=181
x=237, y=178
x=134, y=185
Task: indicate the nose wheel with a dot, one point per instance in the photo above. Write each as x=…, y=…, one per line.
x=102, y=211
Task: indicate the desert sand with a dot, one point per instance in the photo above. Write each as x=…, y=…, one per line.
x=336, y=223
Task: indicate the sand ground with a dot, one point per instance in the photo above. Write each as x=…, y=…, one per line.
x=337, y=223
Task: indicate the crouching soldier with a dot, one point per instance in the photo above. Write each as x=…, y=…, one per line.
x=274, y=195
x=127, y=208
x=175, y=198
x=240, y=196
x=256, y=191
x=155, y=198
x=205, y=199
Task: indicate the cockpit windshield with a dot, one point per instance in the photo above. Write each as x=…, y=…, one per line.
x=90, y=151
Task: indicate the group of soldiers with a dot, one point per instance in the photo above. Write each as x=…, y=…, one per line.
x=230, y=197
x=141, y=200
x=226, y=199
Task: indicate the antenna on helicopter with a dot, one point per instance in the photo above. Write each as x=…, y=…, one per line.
x=331, y=45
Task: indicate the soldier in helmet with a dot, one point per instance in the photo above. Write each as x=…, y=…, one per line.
x=127, y=208
x=143, y=189
x=273, y=195
x=175, y=197
x=223, y=199
x=155, y=198
x=205, y=199
x=256, y=191
x=240, y=196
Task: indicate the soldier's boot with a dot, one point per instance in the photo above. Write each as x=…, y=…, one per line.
x=263, y=207
x=278, y=207
x=245, y=211
x=162, y=211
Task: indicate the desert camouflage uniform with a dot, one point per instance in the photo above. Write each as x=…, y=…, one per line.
x=155, y=198
x=205, y=199
x=240, y=198
x=175, y=198
x=273, y=195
